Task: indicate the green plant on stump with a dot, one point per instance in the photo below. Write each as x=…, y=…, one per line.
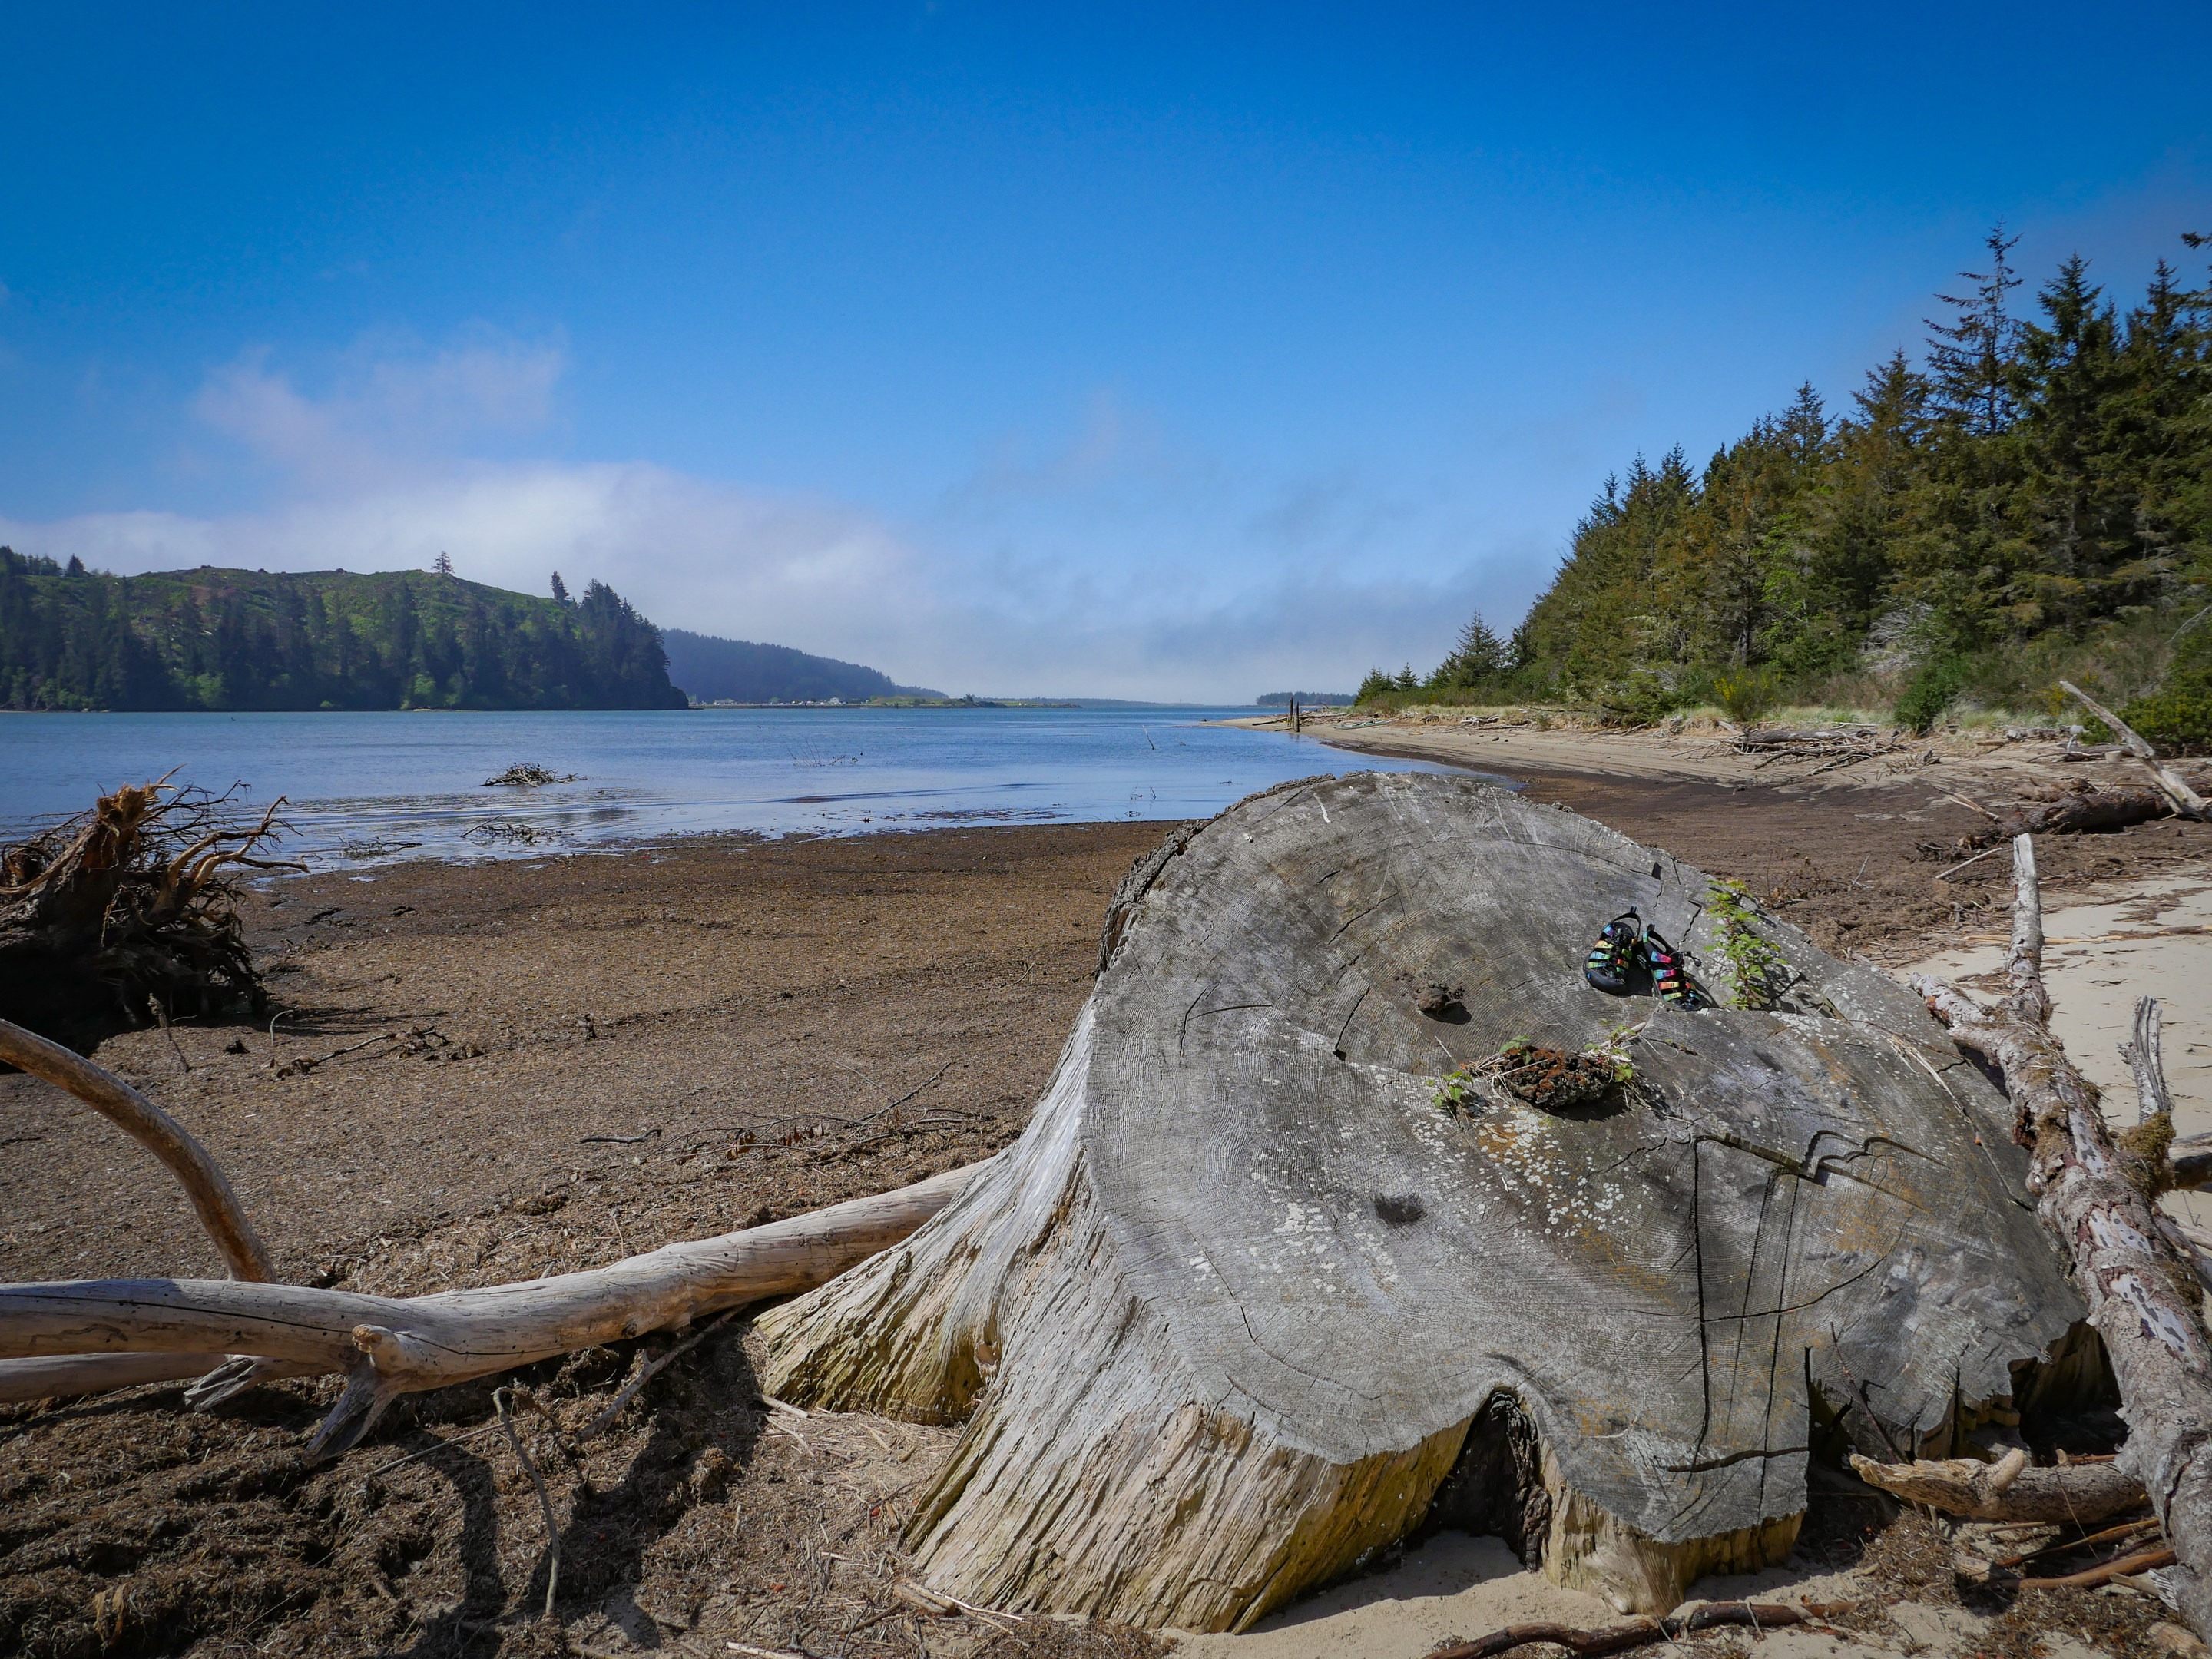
x=1759, y=975
x=1553, y=1078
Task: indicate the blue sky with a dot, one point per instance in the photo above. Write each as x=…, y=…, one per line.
x=1176, y=352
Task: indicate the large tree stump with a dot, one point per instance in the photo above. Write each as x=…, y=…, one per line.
x=1244, y=1295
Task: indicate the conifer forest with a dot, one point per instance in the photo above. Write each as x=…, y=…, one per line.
x=236, y=640
x=2030, y=497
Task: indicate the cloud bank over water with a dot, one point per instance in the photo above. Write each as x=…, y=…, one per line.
x=397, y=460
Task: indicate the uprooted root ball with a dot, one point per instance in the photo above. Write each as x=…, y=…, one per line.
x=128, y=912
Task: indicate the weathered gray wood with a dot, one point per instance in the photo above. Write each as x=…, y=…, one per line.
x=2145, y=1299
x=2186, y=801
x=392, y=1345
x=64, y=1375
x=1242, y=1287
x=2145, y=1055
x=212, y=1200
x=2006, y=1490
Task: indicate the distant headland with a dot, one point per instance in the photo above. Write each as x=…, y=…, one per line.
x=223, y=639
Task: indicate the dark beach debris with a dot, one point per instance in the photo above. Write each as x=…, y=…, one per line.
x=529, y=775
x=513, y=831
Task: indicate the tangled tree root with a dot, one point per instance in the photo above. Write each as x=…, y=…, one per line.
x=128, y=913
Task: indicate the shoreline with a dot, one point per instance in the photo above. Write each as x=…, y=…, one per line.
x=372, y=780
x=488, y=1070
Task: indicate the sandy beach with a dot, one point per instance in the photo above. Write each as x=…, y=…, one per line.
x=483, y=1072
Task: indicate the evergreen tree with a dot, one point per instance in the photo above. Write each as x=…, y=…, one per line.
x=1970, y=359
x=1477, y=658
x=1378, y=684
x=560, y=588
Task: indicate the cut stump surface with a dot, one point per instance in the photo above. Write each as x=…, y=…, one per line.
x=1219, y=1324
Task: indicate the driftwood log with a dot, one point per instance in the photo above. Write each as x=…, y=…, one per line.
x=183, y=1155
x=1754, y=1616
x=2097, y=1200
x=53, y=1336
x=2186, y=801
x=1282, y=1266
x=2077, y=812
x=2009, y=1489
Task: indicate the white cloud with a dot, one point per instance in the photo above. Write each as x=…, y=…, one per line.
x=369, y=480
x=383, y=410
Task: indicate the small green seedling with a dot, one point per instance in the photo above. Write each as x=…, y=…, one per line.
x=1759, y=975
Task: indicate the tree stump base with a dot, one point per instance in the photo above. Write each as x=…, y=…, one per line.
x=1278, y=1272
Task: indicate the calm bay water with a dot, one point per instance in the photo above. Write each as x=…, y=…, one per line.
x=365, y=788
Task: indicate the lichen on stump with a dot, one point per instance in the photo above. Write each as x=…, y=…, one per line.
x=1219, y=1324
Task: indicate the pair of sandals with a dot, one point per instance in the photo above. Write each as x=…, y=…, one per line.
x=1627, y=943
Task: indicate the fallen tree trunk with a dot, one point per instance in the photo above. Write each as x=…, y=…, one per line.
x=2144, y=1298
x=2186, y=801
x=2078, y=813
x=2008, y=1490
x=1289, y=1262
x=212, y=1200
x=390, y=1346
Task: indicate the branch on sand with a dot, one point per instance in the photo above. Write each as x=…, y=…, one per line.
x=1616, y=1639
x=2097, y=1199
x=387, y=1346
x=217, y=1207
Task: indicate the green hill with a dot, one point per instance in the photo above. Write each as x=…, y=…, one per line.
x=210, y=639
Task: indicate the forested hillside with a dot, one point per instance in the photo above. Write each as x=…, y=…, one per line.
x=2032, y=495
x=714, y=670
x=70, y=639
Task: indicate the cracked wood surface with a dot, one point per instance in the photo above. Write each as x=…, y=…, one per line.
x=1242, y=1285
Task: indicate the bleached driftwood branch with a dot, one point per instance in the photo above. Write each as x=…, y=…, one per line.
x=2007, y=1490
x=2146, y=1060
x=218, y=1207
x=390, y=1346
x=2186, y=801
x=2143, y=1297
